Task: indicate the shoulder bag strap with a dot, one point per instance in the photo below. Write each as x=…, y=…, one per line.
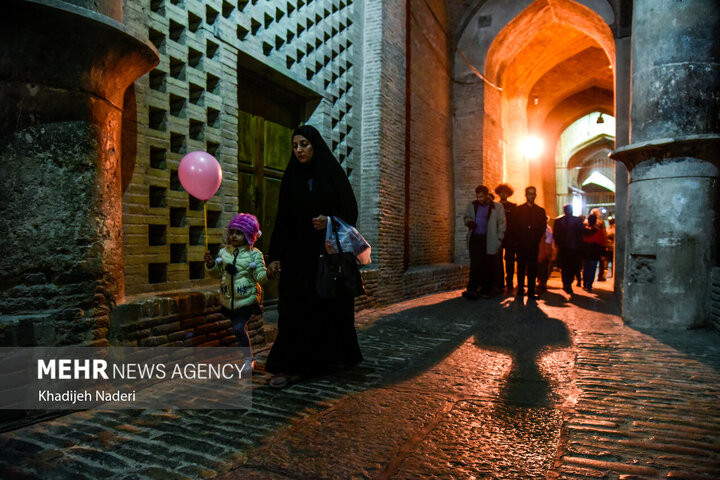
x=337, y=238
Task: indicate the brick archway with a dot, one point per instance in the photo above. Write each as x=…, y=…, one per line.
x=553, y=61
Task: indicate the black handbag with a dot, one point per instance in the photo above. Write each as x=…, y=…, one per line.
x=338, y=274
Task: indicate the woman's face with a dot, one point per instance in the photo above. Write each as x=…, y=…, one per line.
x=303, y=148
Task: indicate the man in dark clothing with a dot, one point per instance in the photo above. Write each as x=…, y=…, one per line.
x=529, y=221
x=568, y=238
x=507, y=251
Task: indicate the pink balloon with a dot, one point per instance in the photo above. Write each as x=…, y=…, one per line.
x=200, y=174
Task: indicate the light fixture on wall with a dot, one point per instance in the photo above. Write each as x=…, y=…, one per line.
x=536, y=100
x=600, y=119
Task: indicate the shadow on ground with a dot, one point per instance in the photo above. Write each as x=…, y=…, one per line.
x=397, y=347
x=524, y=332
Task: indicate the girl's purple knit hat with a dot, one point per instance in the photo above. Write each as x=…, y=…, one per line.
x=249, y=225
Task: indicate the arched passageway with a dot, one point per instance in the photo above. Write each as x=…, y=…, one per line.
x=547, y=64
x=584, y=174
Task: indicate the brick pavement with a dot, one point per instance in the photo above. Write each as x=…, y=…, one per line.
x=449, y=389
x=648, y=401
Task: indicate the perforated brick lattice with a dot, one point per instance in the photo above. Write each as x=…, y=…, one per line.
x=190, y=102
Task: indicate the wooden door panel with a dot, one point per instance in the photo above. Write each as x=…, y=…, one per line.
x=269, y=209
x=247, y=193
x=271, y=192
x=277, y=146
x=266, y=119
x=248, y=133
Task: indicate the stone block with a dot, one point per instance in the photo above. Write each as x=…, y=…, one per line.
x=191, y=322
x=165, y=328
x=195, y=340
x=136, y=335
x=206, y=328
x=153, y=341
x=181, y=335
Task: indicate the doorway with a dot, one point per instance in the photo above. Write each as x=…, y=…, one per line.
x=267, y=116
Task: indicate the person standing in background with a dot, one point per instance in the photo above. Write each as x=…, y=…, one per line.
x=610, y=250
x=602, y=262
x=507, y=250
x=485, y=220
x=530, y=221
x=594, y=243
x=568, y=231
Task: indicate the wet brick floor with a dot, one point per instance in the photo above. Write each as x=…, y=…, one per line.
x=449, y=389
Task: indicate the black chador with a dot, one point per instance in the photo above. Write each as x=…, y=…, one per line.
x=313, y=333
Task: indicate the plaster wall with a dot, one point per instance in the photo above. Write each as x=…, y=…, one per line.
x=65, y=71
x=675, y=126
x=623, y=86
x=667, y=277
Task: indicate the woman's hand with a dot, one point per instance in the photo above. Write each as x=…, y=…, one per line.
x=320, y=222
x=209, y=261
x=273, y=270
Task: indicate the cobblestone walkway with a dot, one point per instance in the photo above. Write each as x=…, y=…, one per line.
x=649, y=401
x=449, y=389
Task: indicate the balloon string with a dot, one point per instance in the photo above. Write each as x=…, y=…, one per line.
x=206, y=232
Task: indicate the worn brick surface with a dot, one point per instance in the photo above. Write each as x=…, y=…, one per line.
x=648, y=400
x=449, y=389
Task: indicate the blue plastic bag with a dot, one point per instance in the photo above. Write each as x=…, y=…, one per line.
x=350, y=240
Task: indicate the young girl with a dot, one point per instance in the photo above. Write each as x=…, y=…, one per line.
x=242, y=269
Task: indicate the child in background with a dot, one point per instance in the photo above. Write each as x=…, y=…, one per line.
x=545, y=253
x=242, y=269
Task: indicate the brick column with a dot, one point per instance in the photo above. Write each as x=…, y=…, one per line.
x=383, y=145
x=63, y=72
x=672, y=239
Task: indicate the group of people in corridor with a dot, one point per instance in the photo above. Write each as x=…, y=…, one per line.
x=314, y=193
x=503, y=234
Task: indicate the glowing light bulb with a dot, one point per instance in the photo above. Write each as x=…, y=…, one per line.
x=532, y=146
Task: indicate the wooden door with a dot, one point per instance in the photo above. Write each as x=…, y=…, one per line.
x=263, y=154
x=267, y=115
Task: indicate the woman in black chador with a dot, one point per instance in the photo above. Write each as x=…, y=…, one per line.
x=314, y=334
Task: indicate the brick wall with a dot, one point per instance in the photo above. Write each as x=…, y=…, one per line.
x=383, y=207
x=431, y=192
x=385, y=115
x=178, y=319
x=189, y=102
x=369, y=204
x=434, y=278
